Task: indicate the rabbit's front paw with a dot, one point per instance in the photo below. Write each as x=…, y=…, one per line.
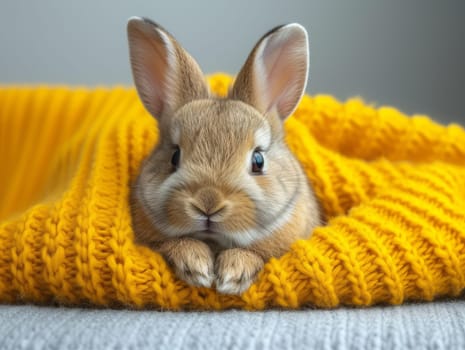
x=192, y=261
x=236, y=269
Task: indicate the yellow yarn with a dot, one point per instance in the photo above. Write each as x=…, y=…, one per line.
x=392, y=187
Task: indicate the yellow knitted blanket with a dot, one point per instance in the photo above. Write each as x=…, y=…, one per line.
x=392, y=188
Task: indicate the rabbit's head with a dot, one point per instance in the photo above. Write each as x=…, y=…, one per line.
x=221, y=170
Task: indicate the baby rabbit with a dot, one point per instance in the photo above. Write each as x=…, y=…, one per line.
x=221, y=193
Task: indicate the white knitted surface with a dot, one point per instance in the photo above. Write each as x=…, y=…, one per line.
x=439, y=325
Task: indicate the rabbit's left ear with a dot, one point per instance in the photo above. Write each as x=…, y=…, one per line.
x=165, y=75
x=275, y=74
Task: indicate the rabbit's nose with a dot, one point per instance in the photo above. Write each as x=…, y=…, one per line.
x=208, y=202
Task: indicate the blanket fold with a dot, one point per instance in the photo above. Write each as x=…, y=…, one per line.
x=392, y=188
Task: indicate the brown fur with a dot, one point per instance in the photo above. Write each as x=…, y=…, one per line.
x=251, y=217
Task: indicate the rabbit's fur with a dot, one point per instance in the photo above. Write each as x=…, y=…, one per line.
x=206, y=209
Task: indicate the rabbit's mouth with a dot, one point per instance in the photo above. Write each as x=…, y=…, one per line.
x=209, y=225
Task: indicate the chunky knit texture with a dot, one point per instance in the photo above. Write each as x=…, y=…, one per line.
x=392, y=189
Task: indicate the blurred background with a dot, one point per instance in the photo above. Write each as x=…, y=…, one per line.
x=408, y=54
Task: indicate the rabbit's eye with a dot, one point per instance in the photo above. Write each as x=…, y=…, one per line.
x=175, y=158
x=257, y=162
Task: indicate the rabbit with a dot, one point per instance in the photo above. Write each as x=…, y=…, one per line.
x=221, y=193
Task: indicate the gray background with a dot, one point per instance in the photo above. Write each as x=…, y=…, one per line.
x=409, y=54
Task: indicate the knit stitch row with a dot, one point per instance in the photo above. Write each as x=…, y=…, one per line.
x=392, y=188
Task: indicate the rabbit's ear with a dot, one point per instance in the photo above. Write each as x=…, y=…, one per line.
x=274, y=77
x=165, y=75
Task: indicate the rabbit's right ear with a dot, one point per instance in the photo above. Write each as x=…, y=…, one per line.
x=165, y=75
x=275, y=74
